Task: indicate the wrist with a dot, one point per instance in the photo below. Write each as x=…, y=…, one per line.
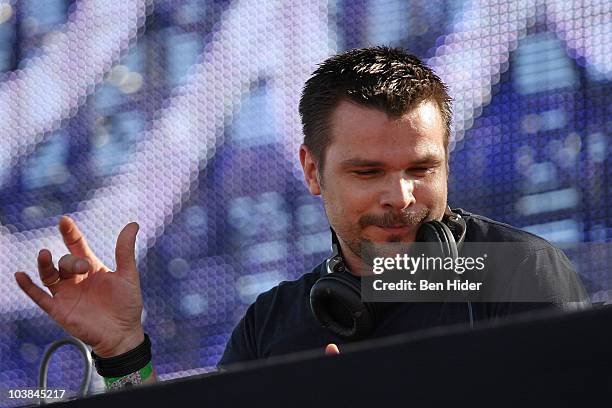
x=127, y=343
x=126, y=363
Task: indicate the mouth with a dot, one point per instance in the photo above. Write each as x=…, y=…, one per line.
x=396, y=229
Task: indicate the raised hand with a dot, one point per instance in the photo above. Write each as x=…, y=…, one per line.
x=98, y=306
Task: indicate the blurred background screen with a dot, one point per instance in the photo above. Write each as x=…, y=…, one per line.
x=182, y=115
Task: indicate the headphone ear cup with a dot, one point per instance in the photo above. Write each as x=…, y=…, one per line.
x=335, y=301
x=437, y=232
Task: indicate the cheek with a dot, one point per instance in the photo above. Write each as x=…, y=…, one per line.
x=432, y=194
x=345, y=203
x=357, y=199
x=431, y=188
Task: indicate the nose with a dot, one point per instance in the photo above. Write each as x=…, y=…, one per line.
x=398, y=194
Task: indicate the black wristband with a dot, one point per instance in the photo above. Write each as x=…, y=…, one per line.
x=126, y=363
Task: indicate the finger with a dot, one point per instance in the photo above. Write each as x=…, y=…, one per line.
x=331, y=350
x=46, y=270
x=74, y=239
x=70, y=265
x=39, y=296
x=125, y=256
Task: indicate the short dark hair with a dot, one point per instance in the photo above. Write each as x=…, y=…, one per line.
x=388, y=79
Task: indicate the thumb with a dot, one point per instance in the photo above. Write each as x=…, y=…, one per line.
x=125, y=256
x=331, y=350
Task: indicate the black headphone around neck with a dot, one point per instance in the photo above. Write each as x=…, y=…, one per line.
x=335, y=298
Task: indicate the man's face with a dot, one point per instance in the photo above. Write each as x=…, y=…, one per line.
x=383, y=177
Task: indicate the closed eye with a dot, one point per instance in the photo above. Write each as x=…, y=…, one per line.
x=421, y=171
x=366, y=172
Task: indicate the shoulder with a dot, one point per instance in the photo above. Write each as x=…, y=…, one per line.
x=483, y=229
x=532, y=266
x=512, y=245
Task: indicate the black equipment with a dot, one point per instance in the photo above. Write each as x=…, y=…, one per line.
x=549, y=359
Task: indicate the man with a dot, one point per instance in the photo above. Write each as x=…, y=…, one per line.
x=376, y=125
x=376, y=130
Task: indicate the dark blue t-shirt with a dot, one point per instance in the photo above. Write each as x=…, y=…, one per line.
x=280, y=321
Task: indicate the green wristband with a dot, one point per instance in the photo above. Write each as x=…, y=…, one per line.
x=137, y=377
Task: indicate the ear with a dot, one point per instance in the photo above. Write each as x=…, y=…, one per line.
x=311, y=173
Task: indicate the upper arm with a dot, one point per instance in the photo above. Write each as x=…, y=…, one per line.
x=560, y=279
x=544, y=278
x=545, y=275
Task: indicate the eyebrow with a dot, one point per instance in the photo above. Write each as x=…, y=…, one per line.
x=361, y=162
